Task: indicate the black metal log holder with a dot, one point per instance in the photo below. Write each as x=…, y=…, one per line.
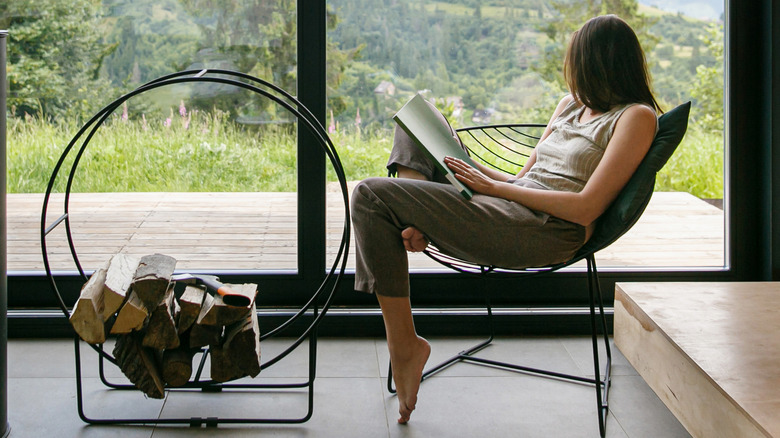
x=313, y=310
x=5, y=429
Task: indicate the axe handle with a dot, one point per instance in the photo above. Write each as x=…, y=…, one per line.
x=228, y=296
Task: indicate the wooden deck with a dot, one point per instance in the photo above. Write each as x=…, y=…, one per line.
x=237, y=231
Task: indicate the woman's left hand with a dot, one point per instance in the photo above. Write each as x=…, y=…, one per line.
x=472, y=177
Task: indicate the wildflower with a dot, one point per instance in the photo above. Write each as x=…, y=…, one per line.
x=332, y=126
x=167, y=122
x=124, y=111
x=187, y=122
x=182, y=109
x=143, y=121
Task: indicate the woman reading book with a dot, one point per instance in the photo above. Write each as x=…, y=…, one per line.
x=595, y=140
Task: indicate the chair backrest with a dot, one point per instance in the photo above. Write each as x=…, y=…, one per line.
x=631, y=202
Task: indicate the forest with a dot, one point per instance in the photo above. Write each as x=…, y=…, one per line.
x=480, y=61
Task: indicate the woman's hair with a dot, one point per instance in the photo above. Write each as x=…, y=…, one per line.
x=605, y=65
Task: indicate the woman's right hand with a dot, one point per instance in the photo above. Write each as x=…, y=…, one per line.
x=414, y=239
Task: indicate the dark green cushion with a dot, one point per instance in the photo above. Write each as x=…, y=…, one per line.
x=632, y=200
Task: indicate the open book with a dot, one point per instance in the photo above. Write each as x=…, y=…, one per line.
x=422, y=124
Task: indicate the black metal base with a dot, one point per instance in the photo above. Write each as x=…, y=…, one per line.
x=601, y=382
x=203, y=385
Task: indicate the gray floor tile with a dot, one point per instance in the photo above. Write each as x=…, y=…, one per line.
x=640, y=412
x=502, y=407
x=46, y=407
x=351, y=398
x=342, y=408
x=581, y=350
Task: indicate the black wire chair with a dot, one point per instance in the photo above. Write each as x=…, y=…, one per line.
x=305, y=319
x=507, y=147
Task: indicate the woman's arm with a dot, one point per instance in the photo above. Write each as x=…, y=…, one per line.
x=634, y=132
x=503, y=176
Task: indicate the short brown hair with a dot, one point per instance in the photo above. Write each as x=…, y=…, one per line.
x=605, y=65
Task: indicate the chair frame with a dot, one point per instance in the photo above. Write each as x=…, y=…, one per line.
x=598, y=322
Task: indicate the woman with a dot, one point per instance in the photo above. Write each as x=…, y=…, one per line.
x=594, y=142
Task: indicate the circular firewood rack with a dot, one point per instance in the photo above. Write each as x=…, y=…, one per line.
x=308, y=316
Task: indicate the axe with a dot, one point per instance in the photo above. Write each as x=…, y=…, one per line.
x=213, y=285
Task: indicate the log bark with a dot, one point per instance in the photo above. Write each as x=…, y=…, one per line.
x=242, y=345
x=152, y=277
x=161, y=331
x=132, y=316
x=216, y=312
x=177, y=366
x=191, y=301
x=87, y=316
x=139, y=365
x=119, y=276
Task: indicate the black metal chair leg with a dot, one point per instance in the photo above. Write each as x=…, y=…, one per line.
x=597, y=322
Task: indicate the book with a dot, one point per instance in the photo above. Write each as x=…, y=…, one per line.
x=419, y=120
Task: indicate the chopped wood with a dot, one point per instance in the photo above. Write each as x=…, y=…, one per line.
x=119, y=276
x=242, y=345
x=216, y=312
x=222, y=367
x=203, y=335
x=161, y=331
x=177, y=366
x=132, y=316
x=87, y=316
x=139, y=365
x=152, y=277
x=190, y=302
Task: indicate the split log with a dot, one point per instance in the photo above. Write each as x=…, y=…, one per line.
x=191, y=301
x=222, y=367
x=119, y=276
x=87, y=316
x=139, y=365
x=242, y=345
x=152, y=277
x=161, y=331
x=216, y=312
x=132, y=316
x=177, y=365
x=203, y=335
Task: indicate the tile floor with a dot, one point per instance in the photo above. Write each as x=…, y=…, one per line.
x=350, y=396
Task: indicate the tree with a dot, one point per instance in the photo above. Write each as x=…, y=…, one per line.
x=708, y=85
x=572, y=15
x=54, y=56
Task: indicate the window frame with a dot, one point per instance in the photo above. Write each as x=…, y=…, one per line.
x=751, y=239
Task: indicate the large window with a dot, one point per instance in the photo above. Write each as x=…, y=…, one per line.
x=355, y=63
x=496, y=62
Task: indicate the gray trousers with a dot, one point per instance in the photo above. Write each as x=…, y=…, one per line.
x=485, y=229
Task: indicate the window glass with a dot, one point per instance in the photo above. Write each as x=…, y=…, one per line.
x=204, y=172
x=488, y=62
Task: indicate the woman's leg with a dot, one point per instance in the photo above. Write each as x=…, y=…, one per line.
x=408, y=352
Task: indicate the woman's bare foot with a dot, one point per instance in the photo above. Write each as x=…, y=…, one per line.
x=414, y=239
x=408, y=367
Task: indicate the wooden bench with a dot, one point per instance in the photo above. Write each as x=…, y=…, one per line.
x=710, y=351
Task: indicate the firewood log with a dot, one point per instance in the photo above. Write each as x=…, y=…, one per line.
x=160, y=332
x=119, y=276
x=139, y=364
x=132, y=316
x=152, y=277
x=242, y=345
x=87, y=316
x=191, y=301
x=177, y=365
x=222, y=367
x=216, y=312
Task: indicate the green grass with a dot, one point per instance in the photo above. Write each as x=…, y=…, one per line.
x=212, y=154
